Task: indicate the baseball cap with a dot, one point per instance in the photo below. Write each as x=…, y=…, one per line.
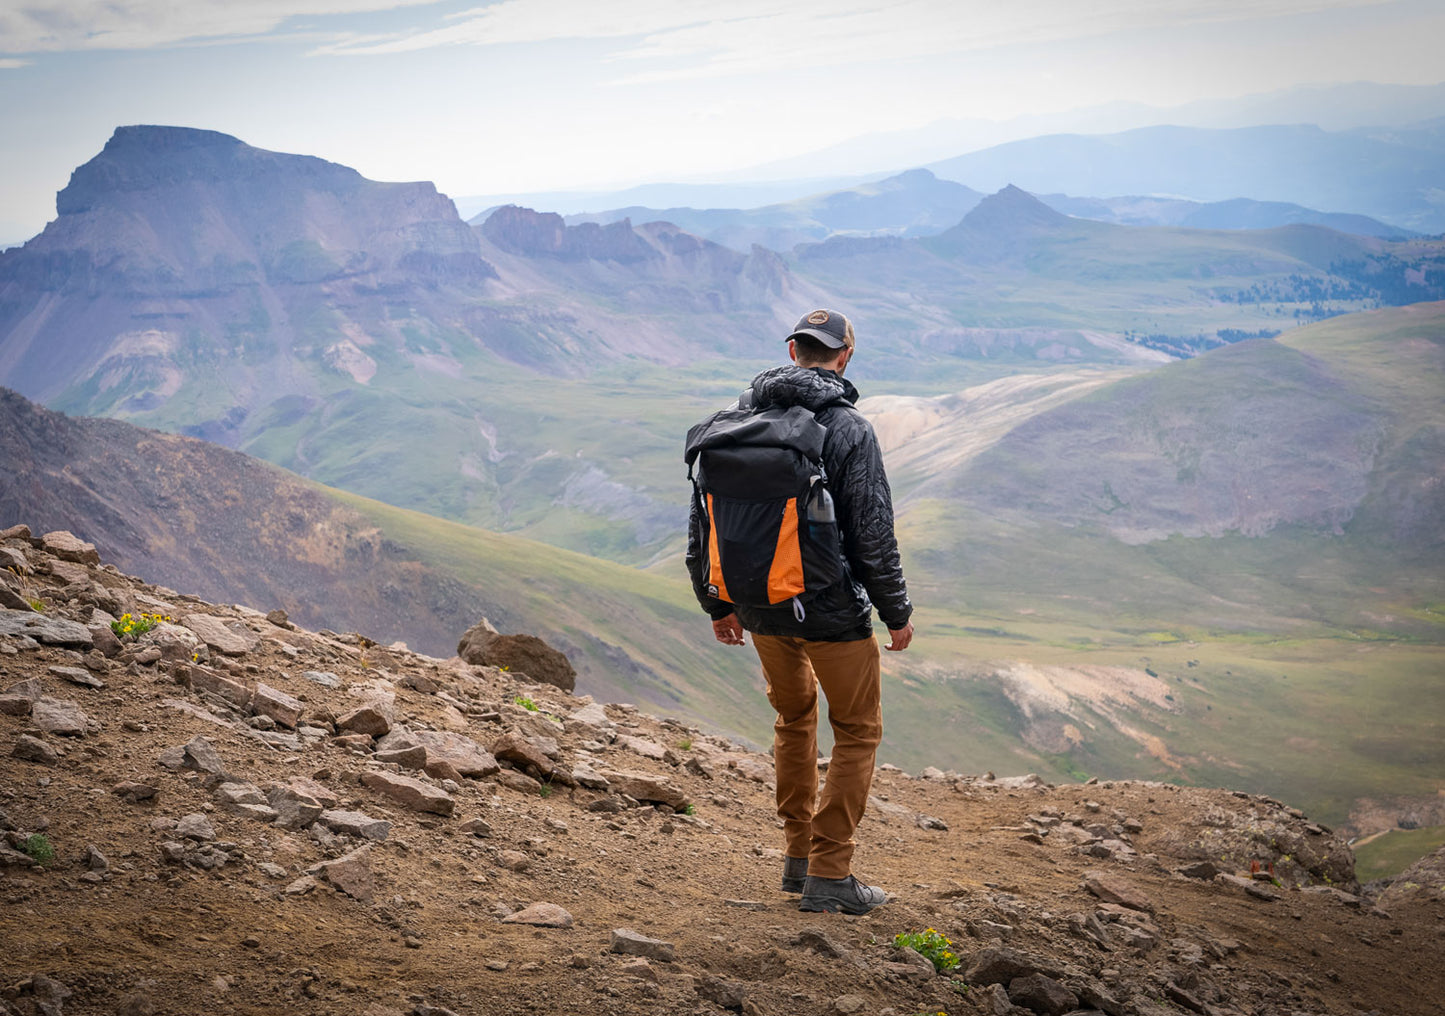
x=826, y=326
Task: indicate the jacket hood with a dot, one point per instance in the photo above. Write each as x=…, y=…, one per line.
x=810, y=387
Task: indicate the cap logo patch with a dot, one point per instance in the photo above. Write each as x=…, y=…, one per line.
x=818, y=317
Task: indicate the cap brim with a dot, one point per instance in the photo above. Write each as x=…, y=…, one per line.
x=831, y=341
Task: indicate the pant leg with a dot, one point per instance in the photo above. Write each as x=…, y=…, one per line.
x=793, y=692
x=851, y=682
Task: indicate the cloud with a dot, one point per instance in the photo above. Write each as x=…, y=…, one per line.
x=659, y=39
x=703, y=38
x=9, y=64
x=60, y=25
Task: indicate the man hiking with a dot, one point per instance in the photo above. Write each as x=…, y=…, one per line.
x=799, y=574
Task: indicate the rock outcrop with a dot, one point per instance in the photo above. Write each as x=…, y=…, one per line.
x=524, y=655
x=173, y=816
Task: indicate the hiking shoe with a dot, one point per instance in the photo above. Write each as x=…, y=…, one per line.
x=795, y=872
x=840, y=894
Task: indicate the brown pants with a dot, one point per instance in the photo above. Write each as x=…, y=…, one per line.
x=848, y=673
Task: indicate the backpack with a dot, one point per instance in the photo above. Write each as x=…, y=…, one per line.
x=769, y=530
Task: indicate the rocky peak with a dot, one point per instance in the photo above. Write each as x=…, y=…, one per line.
x=1003, y=226
x=531, y=233
x=154, y=158
x=1012, y=208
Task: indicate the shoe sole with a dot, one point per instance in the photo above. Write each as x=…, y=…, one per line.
x=826, y=905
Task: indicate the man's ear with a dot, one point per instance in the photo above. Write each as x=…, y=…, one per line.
x=792, y=351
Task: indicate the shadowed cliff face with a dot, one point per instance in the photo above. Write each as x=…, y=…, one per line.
x=197, y=516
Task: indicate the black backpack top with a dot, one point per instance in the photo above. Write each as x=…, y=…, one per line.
x=770, y=532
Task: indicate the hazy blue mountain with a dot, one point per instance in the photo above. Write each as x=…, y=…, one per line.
x=1240, y=213
x=1334, y=107
x=663, y=195
x=1390, y=175
x=915, y=203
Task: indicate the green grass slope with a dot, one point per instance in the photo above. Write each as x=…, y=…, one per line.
x=638, y=636
x=1256, y=537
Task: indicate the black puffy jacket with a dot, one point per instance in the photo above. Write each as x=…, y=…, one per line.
x=864, y=505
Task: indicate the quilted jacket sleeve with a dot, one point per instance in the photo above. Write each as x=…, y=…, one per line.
x=865, y=510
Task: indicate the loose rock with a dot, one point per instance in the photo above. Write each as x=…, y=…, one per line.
x=276, y=704
x=350, y=873
x=76, y=675
x=69, y=547
x=354, y=823
x=293, y=810
x=541, y=915
x=195, y=826
x=646, y=787
x=33, y=749
x=374, y=719
x=630, y=943
x=1042, y=994
x=410, y=793
x=229, y=639
x=58, y=716
x=1112, y=889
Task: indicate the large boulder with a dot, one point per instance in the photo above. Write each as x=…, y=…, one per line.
x=523, y=655
x=69, y=547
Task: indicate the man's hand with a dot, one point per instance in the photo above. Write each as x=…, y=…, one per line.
x=901, y=638
x=729, y=631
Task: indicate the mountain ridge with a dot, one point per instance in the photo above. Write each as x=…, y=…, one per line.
x=1385, y=177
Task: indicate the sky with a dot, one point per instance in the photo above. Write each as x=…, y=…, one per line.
x=530, y=95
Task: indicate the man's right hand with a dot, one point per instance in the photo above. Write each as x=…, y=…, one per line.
x=901, y=638
x=728, y=630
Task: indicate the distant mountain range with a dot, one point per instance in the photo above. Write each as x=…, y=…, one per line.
x=1390, y=174
x=362, y=335
x=1256, y=528
x=1240, y=213
x=876, y=156
x=1337, y=107
x=915, y=203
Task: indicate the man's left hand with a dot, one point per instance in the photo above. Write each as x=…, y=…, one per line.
x=901, y=638
x=728, y=630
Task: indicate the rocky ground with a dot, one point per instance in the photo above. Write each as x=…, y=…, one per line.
x=229, y=814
